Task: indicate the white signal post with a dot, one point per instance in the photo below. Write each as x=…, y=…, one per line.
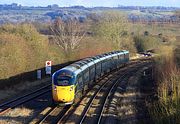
x=48, y=67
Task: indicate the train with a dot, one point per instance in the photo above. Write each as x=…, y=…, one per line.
x=71, y=82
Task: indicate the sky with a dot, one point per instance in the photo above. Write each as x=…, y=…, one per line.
x=94, y=3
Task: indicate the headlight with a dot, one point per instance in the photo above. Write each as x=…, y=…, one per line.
x=71, y=88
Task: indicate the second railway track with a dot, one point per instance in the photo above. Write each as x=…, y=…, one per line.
x=7, y=106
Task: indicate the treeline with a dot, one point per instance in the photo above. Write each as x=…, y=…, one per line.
x=23, y=47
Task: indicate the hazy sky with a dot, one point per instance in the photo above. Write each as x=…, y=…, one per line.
x=93, y=3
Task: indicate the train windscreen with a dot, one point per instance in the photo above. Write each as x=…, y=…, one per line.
x=63, y=81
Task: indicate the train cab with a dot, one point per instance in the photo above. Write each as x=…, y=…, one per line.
x=63, y=86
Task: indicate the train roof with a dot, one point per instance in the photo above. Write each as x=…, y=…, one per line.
x=81, y=65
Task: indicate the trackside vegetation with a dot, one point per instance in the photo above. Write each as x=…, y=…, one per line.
x=165, y=110
x=22, y=49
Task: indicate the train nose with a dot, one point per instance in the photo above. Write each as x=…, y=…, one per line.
x=64, y=95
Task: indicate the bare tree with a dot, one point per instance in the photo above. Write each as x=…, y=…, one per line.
x=68, y=35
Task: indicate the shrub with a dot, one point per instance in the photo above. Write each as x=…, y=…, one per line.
x=144, y=43
x=23, y=49
x=14, y=54
x=166, y=109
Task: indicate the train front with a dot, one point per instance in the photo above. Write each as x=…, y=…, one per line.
x=63, y=87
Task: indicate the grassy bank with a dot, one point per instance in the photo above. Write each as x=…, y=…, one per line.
x=166, y=110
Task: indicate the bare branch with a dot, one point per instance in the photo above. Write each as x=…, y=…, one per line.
x=68, y=34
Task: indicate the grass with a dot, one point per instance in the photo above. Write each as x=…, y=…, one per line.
x=155, y=29
x=17, y=116
x=21, y=88
x=166, y=109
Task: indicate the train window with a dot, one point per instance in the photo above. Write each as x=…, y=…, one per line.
x=64, y=81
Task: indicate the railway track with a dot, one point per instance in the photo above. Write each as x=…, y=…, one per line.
x=94, y=111
x=101, y=92
x=7, y=106
x=127, y=104
x=53, y=115
x=59, y=114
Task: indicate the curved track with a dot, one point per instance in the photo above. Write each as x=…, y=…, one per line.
x=104, y=93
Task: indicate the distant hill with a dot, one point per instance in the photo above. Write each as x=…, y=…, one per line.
x=15, y=13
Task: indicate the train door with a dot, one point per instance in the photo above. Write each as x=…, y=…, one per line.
x=120, y=60
x=103, y=64
x=127, y=57
x=115, y=59
x=108, y=64
x=79, y=86
x=91, y=74
x=86, y=78
x=98, y=70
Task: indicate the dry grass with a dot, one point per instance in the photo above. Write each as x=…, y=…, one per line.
x=155, y=29
x=166, y=109
x=16, y=116
x=22, y=88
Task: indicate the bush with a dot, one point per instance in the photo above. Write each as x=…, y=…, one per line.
x=144, y=43
x=23, y=49
x=14, y=54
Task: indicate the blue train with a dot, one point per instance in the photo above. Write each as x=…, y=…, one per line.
x=71, y=82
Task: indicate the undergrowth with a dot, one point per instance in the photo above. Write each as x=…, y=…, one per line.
x=166, y=110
